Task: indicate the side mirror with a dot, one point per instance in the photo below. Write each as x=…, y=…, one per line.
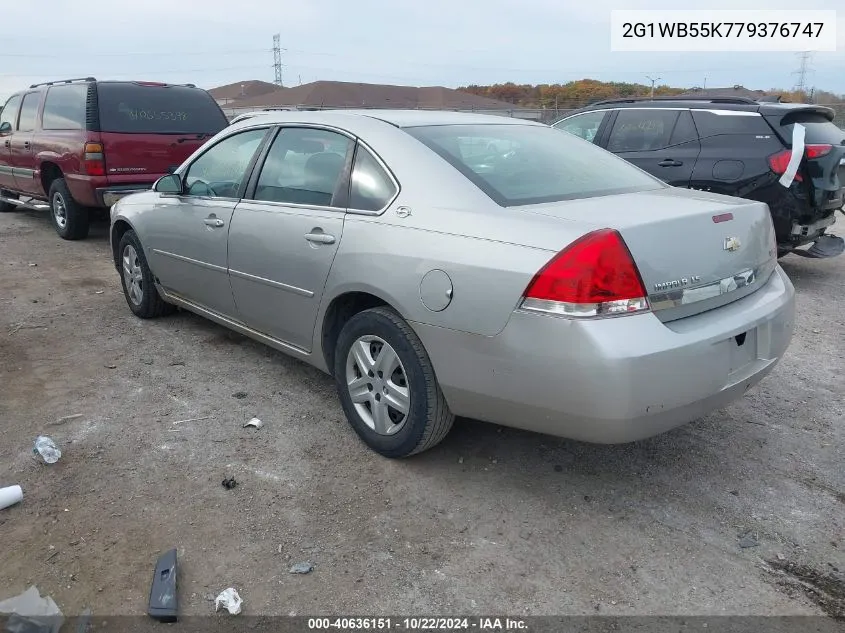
x=5, y=127
x=171, y=183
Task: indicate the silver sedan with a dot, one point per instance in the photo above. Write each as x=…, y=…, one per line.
x=440, y=264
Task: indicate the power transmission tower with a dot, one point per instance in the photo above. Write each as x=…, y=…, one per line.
x=277, y=57
x=803, y=70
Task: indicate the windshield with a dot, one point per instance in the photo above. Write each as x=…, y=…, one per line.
x=528, y=164
x=139, y=109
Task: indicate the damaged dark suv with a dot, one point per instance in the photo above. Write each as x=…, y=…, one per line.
x=788, y=155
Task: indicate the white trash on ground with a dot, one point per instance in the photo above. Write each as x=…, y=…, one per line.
x=230, y=600
x=31, y=609
x=10, y=495
x=47, y=448
x=254, y=422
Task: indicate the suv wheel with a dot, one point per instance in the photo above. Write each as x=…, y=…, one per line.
x=70, y=219
x=5, y=207
x=387, y=385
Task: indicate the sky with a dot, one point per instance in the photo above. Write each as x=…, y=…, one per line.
x=410, y=42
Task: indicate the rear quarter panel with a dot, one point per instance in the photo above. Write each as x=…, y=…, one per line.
x=389, y=260
x=63, y=148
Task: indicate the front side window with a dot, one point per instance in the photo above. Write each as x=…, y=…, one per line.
x=542, y=164
x=10, y=111
x=220, y=171
x=64, y=107
x=304, y=166
x=29, y=108
x=371, y=188
x=642, y=130
x=584, y=125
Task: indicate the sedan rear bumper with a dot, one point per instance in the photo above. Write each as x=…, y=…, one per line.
x=613, y=380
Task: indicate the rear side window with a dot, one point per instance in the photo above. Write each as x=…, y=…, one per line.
x=819, y=129
x=29, y=108
x=684, y=131
x=371, y=188
x=535, y=164
x=304, y=166
x=10, y=111
x=65, y=107
x=140, y=109
x=737, y=122
x=638, y=130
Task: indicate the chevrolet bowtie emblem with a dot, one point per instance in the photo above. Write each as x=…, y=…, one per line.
x=732, y=244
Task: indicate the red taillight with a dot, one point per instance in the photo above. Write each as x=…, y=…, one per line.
x=817, y=151
x=593, y=276
x=779, y=161
x=95, y=159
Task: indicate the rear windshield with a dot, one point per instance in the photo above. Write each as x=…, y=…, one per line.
x=527, y=164
x=138, y=109
x=818, y=128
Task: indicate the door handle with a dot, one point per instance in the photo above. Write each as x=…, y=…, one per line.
x=214, y=222
x=7, y=144
x=670, y=163
x=320, y=238
x=26, y=144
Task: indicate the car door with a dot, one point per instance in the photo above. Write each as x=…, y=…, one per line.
x=9, y=117
x=587, y=125
x=23, y=158
x=660, y=141
x=286, y=232
x=187, y=237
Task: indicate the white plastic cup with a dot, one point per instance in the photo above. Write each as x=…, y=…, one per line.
x=10, y=496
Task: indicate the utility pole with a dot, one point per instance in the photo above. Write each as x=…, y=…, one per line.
x=277, y=58
x=652, y=80
x=803, y=69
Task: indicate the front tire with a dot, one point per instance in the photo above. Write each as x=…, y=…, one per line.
x=137, y=280
x=70, y=219
x=387, y=386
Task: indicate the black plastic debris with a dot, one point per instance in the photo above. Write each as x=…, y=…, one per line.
x=164, y=605
x=229, y=483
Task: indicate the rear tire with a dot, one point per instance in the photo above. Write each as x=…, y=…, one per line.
x=70, y=219
x=6, y=207
x=378, y=336
x=137, y=280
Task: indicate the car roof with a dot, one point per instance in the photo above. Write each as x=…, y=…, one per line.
x=740, y=104
x=397, y=118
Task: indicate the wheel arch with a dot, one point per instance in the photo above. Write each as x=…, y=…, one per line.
x=49, y=172
x=116, y=232
x=342, y=307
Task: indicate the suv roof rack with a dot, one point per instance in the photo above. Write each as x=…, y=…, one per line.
x=63, y=81
x=735, y=100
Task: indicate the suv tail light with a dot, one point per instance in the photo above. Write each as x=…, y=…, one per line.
x=779, y=161
x=592, y=277
x=95, y=159
x=817, y=151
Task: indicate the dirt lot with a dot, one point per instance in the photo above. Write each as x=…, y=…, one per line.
x=492, y=521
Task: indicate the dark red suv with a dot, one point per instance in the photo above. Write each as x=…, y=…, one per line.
x=81, y=144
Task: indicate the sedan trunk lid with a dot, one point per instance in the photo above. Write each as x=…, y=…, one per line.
x=695, y=251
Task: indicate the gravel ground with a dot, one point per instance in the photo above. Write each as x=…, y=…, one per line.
x=491, y=521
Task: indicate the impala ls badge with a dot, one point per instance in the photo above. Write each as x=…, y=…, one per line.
x=732, y=244
x=677, y=283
